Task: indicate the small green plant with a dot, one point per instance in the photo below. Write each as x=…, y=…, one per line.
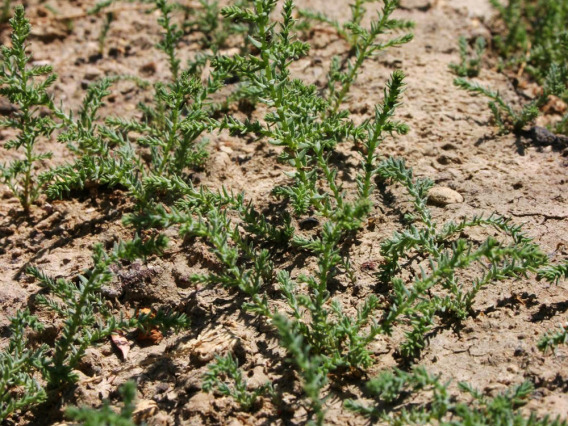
x=19, y=388
x=26, y=87
x=108, y=20
x=167, y=140
x=506, y=116
x=533, y=30
x=171, y=36
x=469, y=66
x=534, y=42
x=86, y=320
x=216, y=31
x=225, y=376
x=399, y=388
x=554, y=338
x=364, y=43
x=438, y=289
x=105, y=416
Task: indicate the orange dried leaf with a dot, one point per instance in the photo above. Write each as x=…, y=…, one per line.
x=153, y=336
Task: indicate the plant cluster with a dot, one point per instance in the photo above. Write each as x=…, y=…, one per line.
x=234, y=384
x=151, y=158
x=216, y=32
x=105, y=416
x=86, y=319
x=532, y=41
x=391, y=388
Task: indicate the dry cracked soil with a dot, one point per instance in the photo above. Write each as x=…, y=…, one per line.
x=451, y=140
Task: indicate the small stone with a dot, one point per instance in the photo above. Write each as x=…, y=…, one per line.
x=512, y=368
x=421, y=5
x=257, y=378
x=200, y=403
x=543, y=137
x=225, y=149
x=91, y=73
x=442, y=196
x=149, y=69
x=6, y=108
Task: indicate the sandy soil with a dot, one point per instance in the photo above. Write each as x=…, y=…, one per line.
x=451, y=141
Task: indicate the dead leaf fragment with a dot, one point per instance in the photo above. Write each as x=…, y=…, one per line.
x=145, y=409
x=121, y=343
x=153, y=336
x=210, y=343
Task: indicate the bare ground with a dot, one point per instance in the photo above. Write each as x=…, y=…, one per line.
x=451, y=141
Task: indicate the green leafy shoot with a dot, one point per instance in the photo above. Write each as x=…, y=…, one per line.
x=554, y=338
x=364, y=44
x=506, y=117
x=105, y=415
x=532, y=42
x=470, y=65
x=19, y=388
x=397, y=389
x=224, y=376
x=26, y=88
x=87, y=319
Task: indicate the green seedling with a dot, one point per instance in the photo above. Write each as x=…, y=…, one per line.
x=469, y=66
x=105, y=415
x=224, y=376
x=26, y=87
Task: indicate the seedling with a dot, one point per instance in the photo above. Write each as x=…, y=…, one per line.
x=225, y=376
x=398, y=387
x=25, y=87
x=105, y=415
x=364, y=44
x=508, y=118
x=108, y=19
x=470, y=65
x=17, y=365
x=535, y=43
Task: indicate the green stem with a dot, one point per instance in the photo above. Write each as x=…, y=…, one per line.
x=278, y=97
x=171, y=138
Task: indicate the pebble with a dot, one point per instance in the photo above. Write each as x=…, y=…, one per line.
x=149, y=69
x=442, y=196
x=512, y=368
x=92, y=73
x=200, y=403
x=257, y=379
